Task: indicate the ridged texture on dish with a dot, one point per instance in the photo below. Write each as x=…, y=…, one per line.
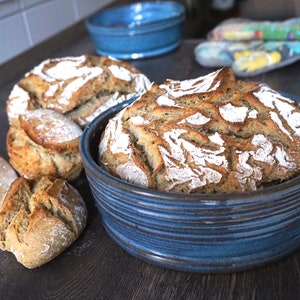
x=193, y=232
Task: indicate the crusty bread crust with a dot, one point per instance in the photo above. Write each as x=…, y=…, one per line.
x=80, y=87
x=47, y=110
x=45, y=142
x=75, y=90
x=7, y=176
x=212, y=134
x=39, y=219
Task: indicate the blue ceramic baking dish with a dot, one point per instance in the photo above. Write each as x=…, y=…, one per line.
x=193, y=232
x=137, y=30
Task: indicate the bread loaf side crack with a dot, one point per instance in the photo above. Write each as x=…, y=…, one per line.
x=40, y=218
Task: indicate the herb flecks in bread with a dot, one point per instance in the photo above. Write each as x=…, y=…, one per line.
x=45, y=142
x=212, y=134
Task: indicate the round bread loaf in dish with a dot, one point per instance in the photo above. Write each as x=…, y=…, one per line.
x=80, y=87
x=45, y=142
x=39, y=219
x=212, y=134
x=7, y=176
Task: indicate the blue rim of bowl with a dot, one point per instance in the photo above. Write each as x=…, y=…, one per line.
x=159, y=196
x=159, y=24
x=137, y=55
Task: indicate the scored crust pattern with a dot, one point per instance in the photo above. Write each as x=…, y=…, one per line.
x=40, y=218
x=76, y=90
x=212, y=134
x=80, y=87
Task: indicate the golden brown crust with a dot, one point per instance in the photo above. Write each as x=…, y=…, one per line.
x=212, y=134
x=49, y=82
x=39, y=219
x=76, y=86
x=75, y=90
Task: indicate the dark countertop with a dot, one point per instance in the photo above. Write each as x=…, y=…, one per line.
x=94, y=267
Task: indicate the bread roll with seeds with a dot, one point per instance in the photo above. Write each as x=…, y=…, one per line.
x=212, y=134
x=45, y=143
x=39, y=219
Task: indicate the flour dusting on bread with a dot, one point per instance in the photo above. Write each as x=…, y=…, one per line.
x=41, y=218
x=212, y=134
x=45, y=143
x=80, y=87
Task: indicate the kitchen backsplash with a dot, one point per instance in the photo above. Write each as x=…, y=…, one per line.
x=26, y=23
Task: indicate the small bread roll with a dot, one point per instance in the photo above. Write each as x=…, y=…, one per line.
x=7, y=176
x=39, y=219
x=45, y=142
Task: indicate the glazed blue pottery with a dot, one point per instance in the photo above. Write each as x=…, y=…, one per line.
x=193, y=232
x=137, y=30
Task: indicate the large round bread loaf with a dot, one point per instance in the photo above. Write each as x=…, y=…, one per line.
x=81, y=87
x=212, y=134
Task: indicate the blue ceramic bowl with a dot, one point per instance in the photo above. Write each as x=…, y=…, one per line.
x=193, y=232
x=137, y=30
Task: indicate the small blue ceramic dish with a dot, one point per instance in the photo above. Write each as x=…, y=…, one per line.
x=193, y=232
x=137, y=30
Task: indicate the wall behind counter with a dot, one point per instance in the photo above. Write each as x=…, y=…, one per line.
x=26, y=23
